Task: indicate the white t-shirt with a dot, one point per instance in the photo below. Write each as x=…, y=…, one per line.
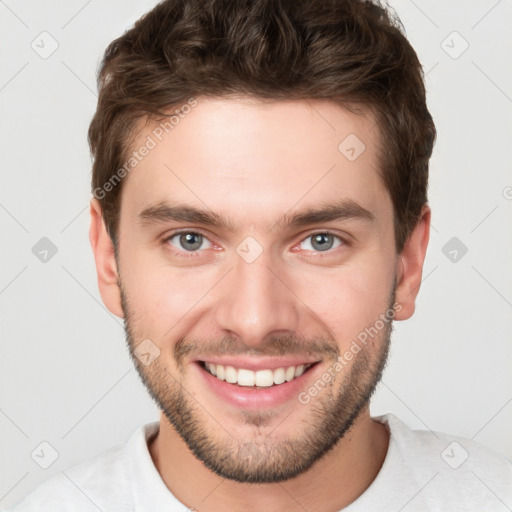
x=422, y=471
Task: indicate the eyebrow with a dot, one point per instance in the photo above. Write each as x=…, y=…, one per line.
x=341, y=210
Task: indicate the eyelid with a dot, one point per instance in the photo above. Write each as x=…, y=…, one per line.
x=344, y=237
x=185, y=230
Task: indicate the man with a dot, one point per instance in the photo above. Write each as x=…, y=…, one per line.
x=259, y=220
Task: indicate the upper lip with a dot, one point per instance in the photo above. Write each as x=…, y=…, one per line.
x=257, y=363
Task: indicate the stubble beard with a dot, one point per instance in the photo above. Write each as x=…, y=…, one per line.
x=264, y=458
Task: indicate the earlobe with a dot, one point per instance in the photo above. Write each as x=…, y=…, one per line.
x=106, y=266
x=410, y=265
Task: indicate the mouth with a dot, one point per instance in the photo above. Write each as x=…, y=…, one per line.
x=256, y=379
x=254, y=383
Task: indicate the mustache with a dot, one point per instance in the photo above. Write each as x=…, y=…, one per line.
x=275, y=346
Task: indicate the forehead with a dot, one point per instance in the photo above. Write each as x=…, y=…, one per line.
x=255, y=159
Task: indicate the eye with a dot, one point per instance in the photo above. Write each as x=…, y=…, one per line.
x=192, y=242
x=322, y=242
x=189, y=241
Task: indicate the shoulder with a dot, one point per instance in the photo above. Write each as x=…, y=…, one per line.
x=452, y=468
x=96, y=484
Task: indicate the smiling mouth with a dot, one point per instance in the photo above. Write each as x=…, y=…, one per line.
x=258, y=379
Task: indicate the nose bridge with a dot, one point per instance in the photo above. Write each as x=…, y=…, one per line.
x=253, y=301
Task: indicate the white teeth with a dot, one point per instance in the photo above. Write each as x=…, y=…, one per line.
x=264, y=378
x=260, y=378
x=245, y=377
x=289, y=373
x=212, y=368
x=299, y=370
x=231, y=375
x=279, y=376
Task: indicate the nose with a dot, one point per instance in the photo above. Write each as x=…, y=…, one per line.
x=256, y=301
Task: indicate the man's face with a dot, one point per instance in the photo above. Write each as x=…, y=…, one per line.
x=259, y=293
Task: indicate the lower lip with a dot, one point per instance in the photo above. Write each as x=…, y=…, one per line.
x=246, y=397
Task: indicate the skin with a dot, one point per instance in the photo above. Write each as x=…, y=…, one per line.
x=222, y=156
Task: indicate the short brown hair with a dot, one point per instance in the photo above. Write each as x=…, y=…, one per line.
x=345, y=51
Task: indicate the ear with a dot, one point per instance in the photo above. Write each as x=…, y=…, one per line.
x=106, y=266
x=410, y=265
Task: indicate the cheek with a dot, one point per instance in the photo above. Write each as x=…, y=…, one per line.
x=350, y=298
x=166, y=301
x=161, y=297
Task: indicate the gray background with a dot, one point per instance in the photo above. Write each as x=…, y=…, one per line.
x=66, y=378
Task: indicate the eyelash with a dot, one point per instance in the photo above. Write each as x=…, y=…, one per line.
x=193, y=254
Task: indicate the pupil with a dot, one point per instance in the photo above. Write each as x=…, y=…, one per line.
x=324, y=240
x=188, y=238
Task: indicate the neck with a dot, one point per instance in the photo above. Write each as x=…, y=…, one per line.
x=335, y=481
